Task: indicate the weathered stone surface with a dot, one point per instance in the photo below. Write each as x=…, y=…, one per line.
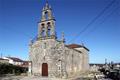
x=62, y=61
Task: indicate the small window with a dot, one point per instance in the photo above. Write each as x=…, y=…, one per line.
x=44, y=46
x=59, y=67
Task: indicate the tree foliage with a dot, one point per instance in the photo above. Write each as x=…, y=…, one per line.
x=11, y=69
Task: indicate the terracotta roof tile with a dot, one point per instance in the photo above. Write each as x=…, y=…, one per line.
x=73, y=46
x=76, y=46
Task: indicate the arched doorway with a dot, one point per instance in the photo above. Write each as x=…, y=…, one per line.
x=44, y=69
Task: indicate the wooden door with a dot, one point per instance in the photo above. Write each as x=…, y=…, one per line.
x=44, y=69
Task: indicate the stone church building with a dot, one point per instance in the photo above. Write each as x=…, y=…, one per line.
x=51, y=57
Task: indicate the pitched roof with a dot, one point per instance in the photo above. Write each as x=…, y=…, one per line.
x=2, y=59
x=73, y=45
x=97, y=64
x=15, y=59
x=76, y=46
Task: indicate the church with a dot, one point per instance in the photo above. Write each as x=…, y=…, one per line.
x=50, y=57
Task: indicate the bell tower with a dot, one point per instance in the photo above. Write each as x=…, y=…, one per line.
x=46, y=26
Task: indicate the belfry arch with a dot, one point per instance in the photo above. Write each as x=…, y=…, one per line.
x=48, y=29
x=46, y=15
x=43, y=30
x=47, y=24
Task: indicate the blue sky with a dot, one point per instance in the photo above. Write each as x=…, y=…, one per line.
x=18, y=24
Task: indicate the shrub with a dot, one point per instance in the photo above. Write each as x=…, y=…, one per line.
x=11, y=69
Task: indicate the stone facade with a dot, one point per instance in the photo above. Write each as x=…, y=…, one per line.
x=51, y=57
